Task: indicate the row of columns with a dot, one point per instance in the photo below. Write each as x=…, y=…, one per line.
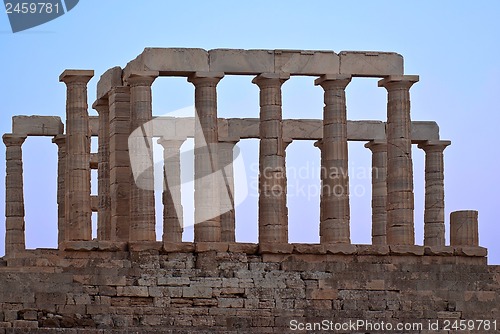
x=126, y=203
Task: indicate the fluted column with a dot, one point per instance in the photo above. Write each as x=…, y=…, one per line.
x=400, y=197
x=142, y=199
x=226, y=158
x=171, y=198
x=273, y=219
x=334, y=202
x=206, y=163
x=14, y=195
x=379, y=191
x=434, y=230
x=60, y=141
x=78, y=213
x=464, y=228
x=120, y=172
x=103, y=192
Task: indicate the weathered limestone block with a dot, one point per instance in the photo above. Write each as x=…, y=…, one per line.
x=238, y=61
x=370, y=64
x=464, y=228
x=37, y=125
x=299, y=62
x=109, y=79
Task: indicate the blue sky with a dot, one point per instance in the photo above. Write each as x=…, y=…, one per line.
x=453, y=46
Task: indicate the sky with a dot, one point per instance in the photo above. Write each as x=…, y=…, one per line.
x=453, y=46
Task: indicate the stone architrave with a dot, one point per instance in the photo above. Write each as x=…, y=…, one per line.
x=273, y=216
x=334, y=206
x=207, y=226
x=78, y=212
x=104, y=231
x=434, y=229
x=379, y=191
x=400, y=197
x=60, y=141
x=14, y=195
x=171, y=197
x=142, y=199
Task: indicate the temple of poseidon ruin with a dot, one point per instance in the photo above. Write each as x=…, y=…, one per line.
x=127, y=280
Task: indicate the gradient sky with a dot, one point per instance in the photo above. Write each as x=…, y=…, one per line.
x=453, y=46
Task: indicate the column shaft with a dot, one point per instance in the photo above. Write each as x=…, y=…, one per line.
x=400, y=197
x=60, y=141
x=334, y=206
x=273, y=217
x=171, y=198
x=14, y=195
x=206, y=165
x=142, y=199
x=379, y=191
x=78, y=213
x=434, y=229
x=226, y=157
x=104, y=231
x=120, y=172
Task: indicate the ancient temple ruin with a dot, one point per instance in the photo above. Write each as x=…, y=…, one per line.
x=127, y=279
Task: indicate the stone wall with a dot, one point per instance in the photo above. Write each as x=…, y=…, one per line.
x=239, y=288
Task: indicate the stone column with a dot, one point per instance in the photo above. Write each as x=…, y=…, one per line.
x=207, y=226
x=434, y=192
x=60, y=141
x=400, y=197
x=228, y=227
x=379, y=191
x=120, y=172
x=103, y=191
x=78, y=213
x=334, y=202
x=171, y=198
x=142, y=198
x=464, y=228
x=14, y=195
x=273, y=219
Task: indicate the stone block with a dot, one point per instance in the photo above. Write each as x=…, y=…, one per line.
x=109, y=79
x=371, y=64
x=132, y=291
x=344, y=249
x=246, y=248
x=94, y=125
x=170, y=61
x=233, y=61
x=475, y=251
x=37, y=125
x=178, y=247
x=297, y=62
x=201, y=247
x=275, y=248
x=422, y=131
x=309, y=248
x=406, y=250
x=25, y=324
x=197, y=292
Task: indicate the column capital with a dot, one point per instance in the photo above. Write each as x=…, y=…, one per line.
x=76, y=76
x=141, y=78
x=330, y=81
x=10, y=139
x=175, y=142
x=434, y=145
x=59, y=140
x=398, y=81
x=270, y=79
x=101, y=105
x=377, y=145
x=198, y=78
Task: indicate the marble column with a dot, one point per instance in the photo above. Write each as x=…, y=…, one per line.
x=273, y=217
x=434, y=192
x=142, y=197
x=60, y=141
x=171, y=198
x=334, y=202
x=14, y=195
x=379, y=191
x=464, y=228
x=400, y=197
x=78, y=213
x=207, y=226
x=120, y=172
x=103, y=192
x=226, y=158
